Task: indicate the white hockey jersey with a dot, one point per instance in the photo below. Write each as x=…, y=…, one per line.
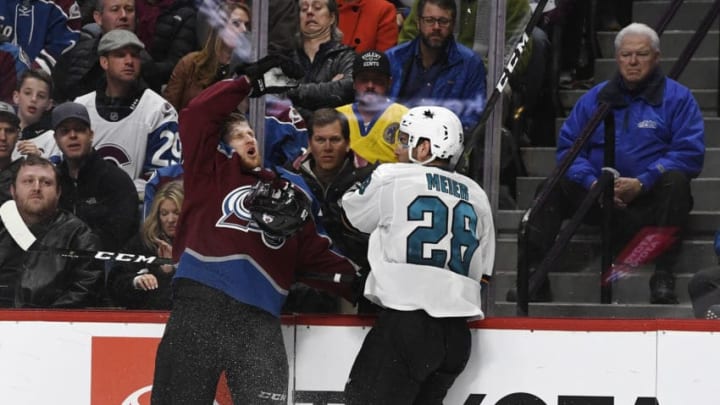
x=48, y=148
x=140, y=143
x=432, y=238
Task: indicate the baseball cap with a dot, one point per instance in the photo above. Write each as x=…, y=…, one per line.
x=372, y=61
x=116, y=39
x=7, y=114
x=69, y=110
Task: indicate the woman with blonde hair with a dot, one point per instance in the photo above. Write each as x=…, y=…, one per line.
x=196, y=71
x=142, y=285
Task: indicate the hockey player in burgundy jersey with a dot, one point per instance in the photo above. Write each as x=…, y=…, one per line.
x=432, y=242
x=232, y=277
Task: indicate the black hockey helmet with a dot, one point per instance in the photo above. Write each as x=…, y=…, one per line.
x=278, y=208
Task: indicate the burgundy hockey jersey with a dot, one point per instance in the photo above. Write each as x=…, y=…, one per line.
x=217, y=242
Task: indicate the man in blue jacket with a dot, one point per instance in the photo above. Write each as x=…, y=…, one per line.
x=433, y=69
x=660, y=146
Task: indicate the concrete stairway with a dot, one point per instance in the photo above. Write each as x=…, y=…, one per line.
x=575, y=281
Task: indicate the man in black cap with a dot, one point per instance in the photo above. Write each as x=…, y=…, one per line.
x=9, y=134
x=94, y=189
x=373, y=118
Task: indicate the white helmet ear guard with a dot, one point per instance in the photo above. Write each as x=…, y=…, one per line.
x=438, y=125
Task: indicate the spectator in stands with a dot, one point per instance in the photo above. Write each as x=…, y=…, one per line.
x=43, y=278
x=133, y=126
x=282, y=24
x=167, y=28
x=78, y=71
x=328, y=63
x=433, y=69
x=328, y=168
x=196, y=71
x=659, y=148
x=9, y=130
x=373, y=118
x=34, y=104
x=13, y=62
x=142, y=285
x=94, y=189
x=368, y=24
x=39, y=28
x=530, y=88
x=517, y=14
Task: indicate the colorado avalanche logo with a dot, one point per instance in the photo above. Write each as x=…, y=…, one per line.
x=114, y=153
x=236, y=216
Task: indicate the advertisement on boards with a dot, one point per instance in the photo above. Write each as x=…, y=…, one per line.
x=105, y=363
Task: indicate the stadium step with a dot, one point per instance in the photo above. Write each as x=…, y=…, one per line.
x=541, y=161
x=703, y=223
x=706, y=192
x=583, y=254
x=706, y=98
x=584, y=287
x=591, y=310
x=688, y=16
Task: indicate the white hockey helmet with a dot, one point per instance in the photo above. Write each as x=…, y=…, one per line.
x=437, y=124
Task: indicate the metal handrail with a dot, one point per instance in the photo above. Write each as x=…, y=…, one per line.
x=523, y=284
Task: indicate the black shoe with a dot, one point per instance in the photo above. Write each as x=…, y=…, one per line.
x=544, y=294
x=662, y=289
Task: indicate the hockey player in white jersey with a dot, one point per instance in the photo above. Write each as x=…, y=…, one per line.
x=432, y=244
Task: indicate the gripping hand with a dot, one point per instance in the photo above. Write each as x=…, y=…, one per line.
x=272, y=74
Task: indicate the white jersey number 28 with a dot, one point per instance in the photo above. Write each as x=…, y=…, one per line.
x=461, y=224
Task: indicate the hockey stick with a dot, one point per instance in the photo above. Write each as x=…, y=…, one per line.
x=22, y=235
x=500, y=86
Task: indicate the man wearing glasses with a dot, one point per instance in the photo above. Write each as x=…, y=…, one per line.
x=433, y=69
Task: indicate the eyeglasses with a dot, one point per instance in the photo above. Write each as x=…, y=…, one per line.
x=430, y=21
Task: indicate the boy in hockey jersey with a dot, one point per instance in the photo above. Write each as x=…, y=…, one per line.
x=134, y=126
x=34, y=103
x=233, y=276
x=432, y=243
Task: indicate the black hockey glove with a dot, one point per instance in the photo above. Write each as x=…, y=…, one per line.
x=277, y=208
x=272, y=74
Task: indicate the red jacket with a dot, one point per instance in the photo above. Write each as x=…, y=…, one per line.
x=368, y=24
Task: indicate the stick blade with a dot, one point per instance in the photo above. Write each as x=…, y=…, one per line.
x=16, y=226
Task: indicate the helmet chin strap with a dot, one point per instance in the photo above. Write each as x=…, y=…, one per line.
x=412, y=159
